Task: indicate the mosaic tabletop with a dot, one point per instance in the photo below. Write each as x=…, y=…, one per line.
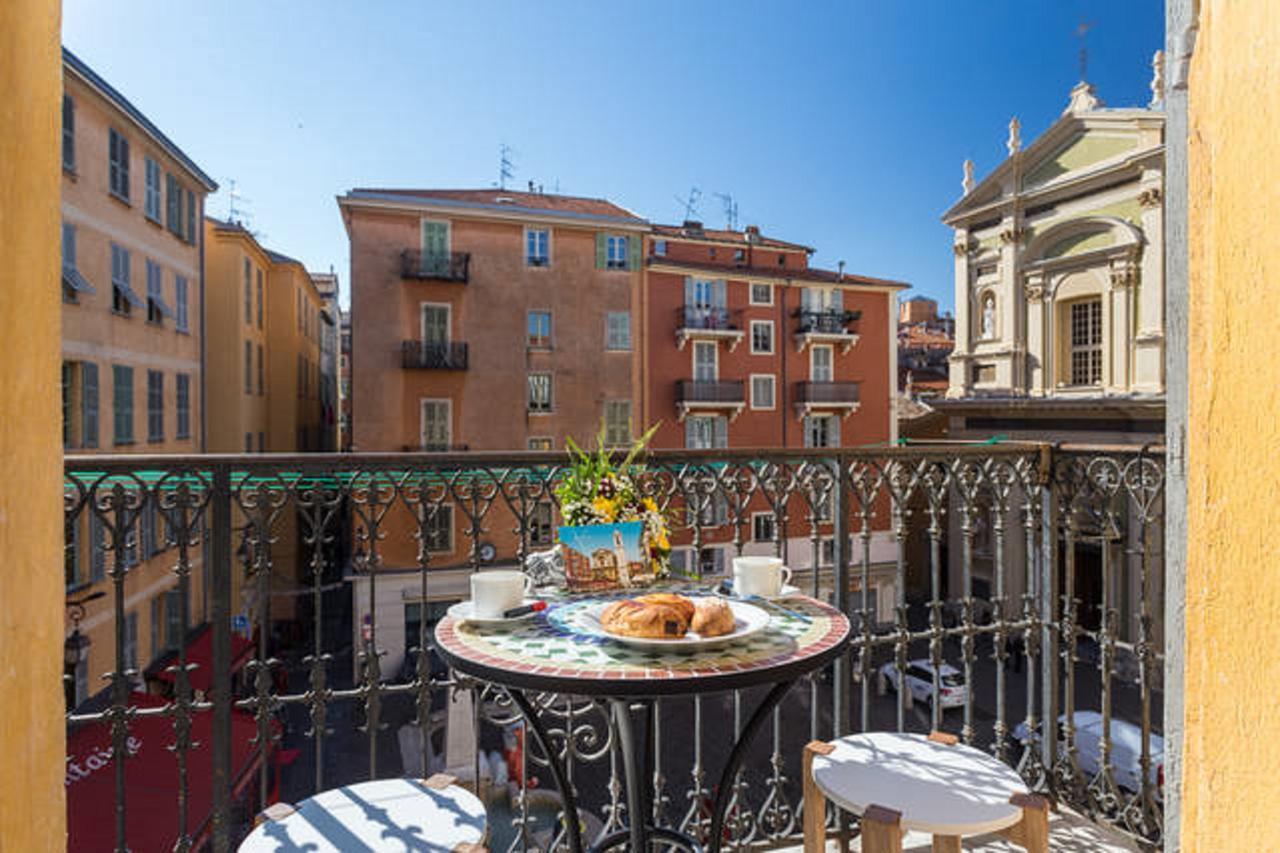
x=545, y=653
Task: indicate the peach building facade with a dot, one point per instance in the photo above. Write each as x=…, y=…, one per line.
x=132, y=339
x=748, y=346
x=484, y=320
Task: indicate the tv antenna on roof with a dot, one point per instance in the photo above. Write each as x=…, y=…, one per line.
x=506, y=169
x=235, y=214
x=690, y=203
x=730, y=210
x=1082, y=30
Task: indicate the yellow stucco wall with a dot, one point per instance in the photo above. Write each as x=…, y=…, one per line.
x=1232, y=752
x=32, y=808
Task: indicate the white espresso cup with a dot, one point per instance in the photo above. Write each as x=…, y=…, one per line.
x=494, y=593
x=763, y=576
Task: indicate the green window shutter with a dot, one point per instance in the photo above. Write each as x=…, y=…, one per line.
x=601, y=251
x=688, y=291
x=633, y=252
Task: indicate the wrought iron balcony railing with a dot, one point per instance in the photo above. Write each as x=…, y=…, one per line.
x=1033, y=571
x=711, y=318
x=426, y=355
x=819, y=393
x=454, y=266
x=826, y=322
x=707, y=391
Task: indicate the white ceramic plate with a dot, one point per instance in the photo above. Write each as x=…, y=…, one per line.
x=787, y=591
x=747, y=618
x=462, y=612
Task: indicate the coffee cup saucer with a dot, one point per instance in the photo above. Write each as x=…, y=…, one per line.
x=462, y=612
x=787, y=591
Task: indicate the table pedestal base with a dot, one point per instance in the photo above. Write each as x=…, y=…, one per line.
x=637, y=763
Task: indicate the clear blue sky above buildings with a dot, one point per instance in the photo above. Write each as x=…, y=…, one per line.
x=839, y=125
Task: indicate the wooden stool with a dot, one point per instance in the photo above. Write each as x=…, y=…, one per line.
x=405, y=813
x=902, y=782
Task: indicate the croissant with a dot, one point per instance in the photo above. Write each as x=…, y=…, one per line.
x=669, y=599
x=632, y=618
x=712, y=618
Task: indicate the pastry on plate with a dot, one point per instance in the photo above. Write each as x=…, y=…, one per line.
x=712, y=618
x=669, y=599
x=653, y=620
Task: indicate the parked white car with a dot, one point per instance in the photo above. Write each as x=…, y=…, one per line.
x=1126, y=750
x=919, y=678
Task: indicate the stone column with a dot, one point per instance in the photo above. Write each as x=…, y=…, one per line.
x=1119, y=332
x=1037, y=354
x=960, y=379
x=32, y=704
x=1148, y=367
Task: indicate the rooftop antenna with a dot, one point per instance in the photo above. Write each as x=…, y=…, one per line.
x=690, y=203
x=234, y=212
x=1082, y=30
x=730, y=210
x=506, y=170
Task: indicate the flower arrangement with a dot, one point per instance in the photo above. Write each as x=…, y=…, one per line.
x=596, y=491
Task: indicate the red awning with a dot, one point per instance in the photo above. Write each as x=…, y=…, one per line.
x=200, y=652
x=151, y=779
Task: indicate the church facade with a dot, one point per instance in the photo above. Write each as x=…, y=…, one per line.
x=1060, y=330
x=1059, y=283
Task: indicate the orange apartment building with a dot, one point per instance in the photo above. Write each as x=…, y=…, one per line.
x=484, y=320
x=747, y=346
x=263, y=374
x=132, y=337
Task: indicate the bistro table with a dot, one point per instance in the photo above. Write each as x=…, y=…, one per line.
x=539, y=656
x=385, y=814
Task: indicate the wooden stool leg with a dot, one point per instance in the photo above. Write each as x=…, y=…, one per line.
x=1032, y=832
x=881, y=830
x=946, y=844
x=815, y=803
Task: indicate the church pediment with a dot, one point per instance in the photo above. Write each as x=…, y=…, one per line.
x=1079, y=152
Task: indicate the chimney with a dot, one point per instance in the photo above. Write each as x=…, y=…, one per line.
x=530, y=186
x=753, y=233
x=840, y=266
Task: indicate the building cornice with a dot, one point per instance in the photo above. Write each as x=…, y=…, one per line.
x=755, y=275
x=87, y=76
x=479, y=210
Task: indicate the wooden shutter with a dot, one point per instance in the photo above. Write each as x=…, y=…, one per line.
x=717, y=293
x=688, y=291
x=837, y=301
x=633, y=252
x=602, y=251
x=89, y=404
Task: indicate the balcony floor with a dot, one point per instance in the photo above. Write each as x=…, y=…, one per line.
x=1068, y=830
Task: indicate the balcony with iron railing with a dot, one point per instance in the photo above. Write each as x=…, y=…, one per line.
x=1032, y=570
x=430, y=355
x=451, y=266
x=832, y=326
x=709, y=323
x=819, y=396
x=722, y=395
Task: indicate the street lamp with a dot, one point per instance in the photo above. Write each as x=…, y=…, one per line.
x=74, y=646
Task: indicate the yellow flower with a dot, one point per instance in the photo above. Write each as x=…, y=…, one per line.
x=663, y=544
x=650, y=505
x=605, y=507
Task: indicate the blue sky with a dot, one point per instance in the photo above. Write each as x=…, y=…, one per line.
x=839, y=125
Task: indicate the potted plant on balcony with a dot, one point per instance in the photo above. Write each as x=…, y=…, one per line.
x=597, y=492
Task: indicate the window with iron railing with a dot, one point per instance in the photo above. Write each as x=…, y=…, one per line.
x=540, y=392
